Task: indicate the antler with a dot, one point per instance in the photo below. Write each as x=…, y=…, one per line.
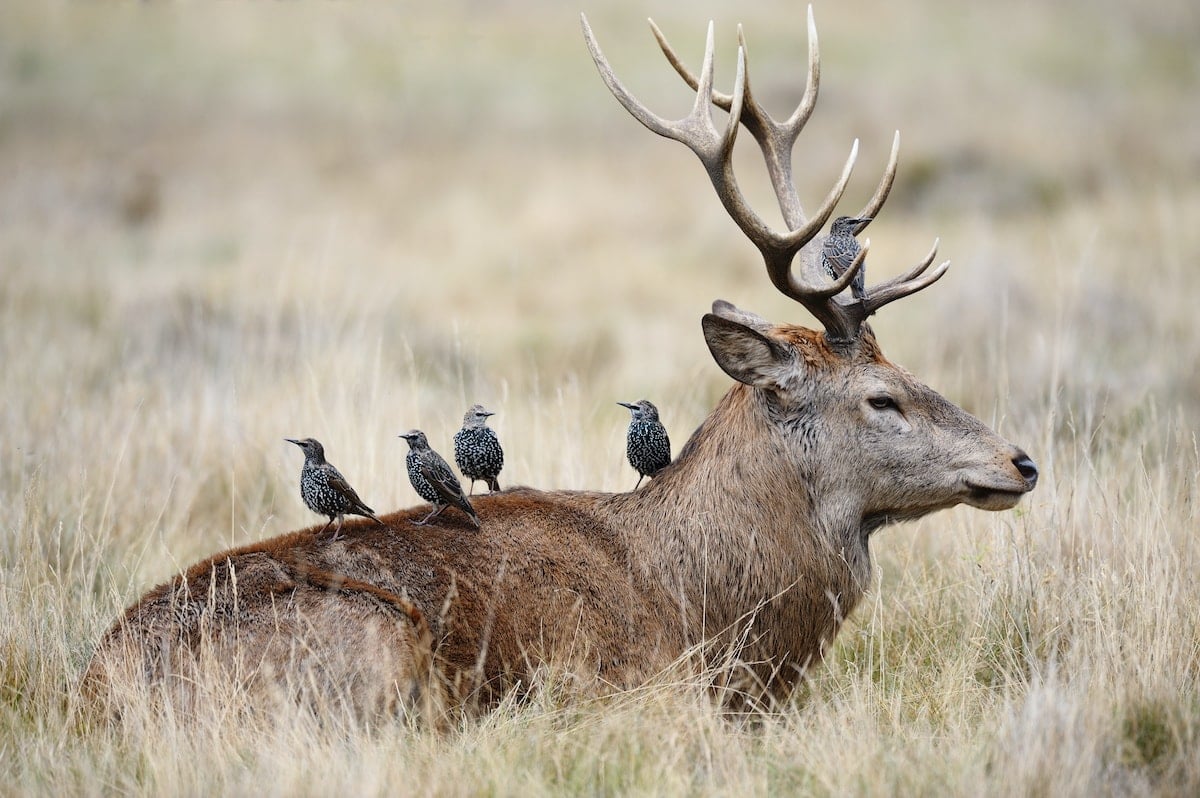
x=842, y=319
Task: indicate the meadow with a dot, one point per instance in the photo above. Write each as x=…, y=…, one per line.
x=221, y=226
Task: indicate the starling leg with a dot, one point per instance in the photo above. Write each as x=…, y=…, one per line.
x=493, y=485
x=337, y=530
x=322, y=529
x=472, y=491
x=639, y=482
x=437, y=509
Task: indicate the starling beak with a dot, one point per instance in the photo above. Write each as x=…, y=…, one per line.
x=325, y=491
x=646, y=443
x=433, y=479
x=477, y=449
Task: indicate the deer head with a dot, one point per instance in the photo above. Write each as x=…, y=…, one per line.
x=880, y=445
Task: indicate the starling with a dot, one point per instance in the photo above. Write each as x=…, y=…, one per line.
x=646, y=443
x=433, y=479
x=325, y=490
x=839, y=252
x=477, y=449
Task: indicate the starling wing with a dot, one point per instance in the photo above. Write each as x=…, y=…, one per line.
x=338, y=483
x=839, y=252
x=441, y=478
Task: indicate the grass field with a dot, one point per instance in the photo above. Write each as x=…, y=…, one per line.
x=222, y=226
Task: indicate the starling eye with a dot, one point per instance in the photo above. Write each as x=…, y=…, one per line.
x=883, y=403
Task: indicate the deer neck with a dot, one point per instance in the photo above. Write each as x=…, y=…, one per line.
x=735, y=521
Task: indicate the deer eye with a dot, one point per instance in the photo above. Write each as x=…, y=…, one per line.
x=883, y=403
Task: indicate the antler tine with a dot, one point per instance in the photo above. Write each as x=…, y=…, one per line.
x=640, y=112
x=885, y=187
x=719, y=99
x=696, y=130
x=908, y=283
x=809, y=101
x=698, y=133
x=756, y=117
x=843, y=320
x=774, y=138
x=780, y=257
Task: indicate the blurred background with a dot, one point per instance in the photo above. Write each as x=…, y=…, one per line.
x=224, y=224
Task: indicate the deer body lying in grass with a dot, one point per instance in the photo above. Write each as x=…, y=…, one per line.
x=754, y=542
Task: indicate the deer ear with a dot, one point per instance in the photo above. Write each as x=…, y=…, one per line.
x=746, y=354
x=727, y=310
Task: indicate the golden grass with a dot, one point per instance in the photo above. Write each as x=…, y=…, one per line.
x=222, y=227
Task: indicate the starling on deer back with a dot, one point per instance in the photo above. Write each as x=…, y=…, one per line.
x=646, y=442
x=477, y=449
x=840, y=249
x=433, y=479
x=325, y=490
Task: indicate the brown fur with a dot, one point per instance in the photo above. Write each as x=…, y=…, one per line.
x=753, y=542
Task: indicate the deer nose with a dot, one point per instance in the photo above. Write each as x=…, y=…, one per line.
x=1027, y=468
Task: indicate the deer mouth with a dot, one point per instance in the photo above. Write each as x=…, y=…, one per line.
x=992, y=498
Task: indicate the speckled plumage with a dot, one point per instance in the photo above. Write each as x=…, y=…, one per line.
x=839, y=251
x=646, y=443
x=325, y=491
x=477, y=449
x=433, y=479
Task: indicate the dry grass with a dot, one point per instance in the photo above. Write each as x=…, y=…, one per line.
x=221, y=227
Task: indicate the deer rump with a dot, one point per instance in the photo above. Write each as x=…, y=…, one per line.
x=398, y=617
x=747, y=552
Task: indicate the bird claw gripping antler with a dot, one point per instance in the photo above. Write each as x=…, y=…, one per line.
x=842, y=319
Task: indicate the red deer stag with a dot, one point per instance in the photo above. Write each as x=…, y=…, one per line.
x=755, y=539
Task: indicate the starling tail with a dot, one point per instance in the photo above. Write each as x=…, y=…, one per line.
x=433, y=479
x=646, y=442
x=325, y=490
x=477, y=449
x=839, y=252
